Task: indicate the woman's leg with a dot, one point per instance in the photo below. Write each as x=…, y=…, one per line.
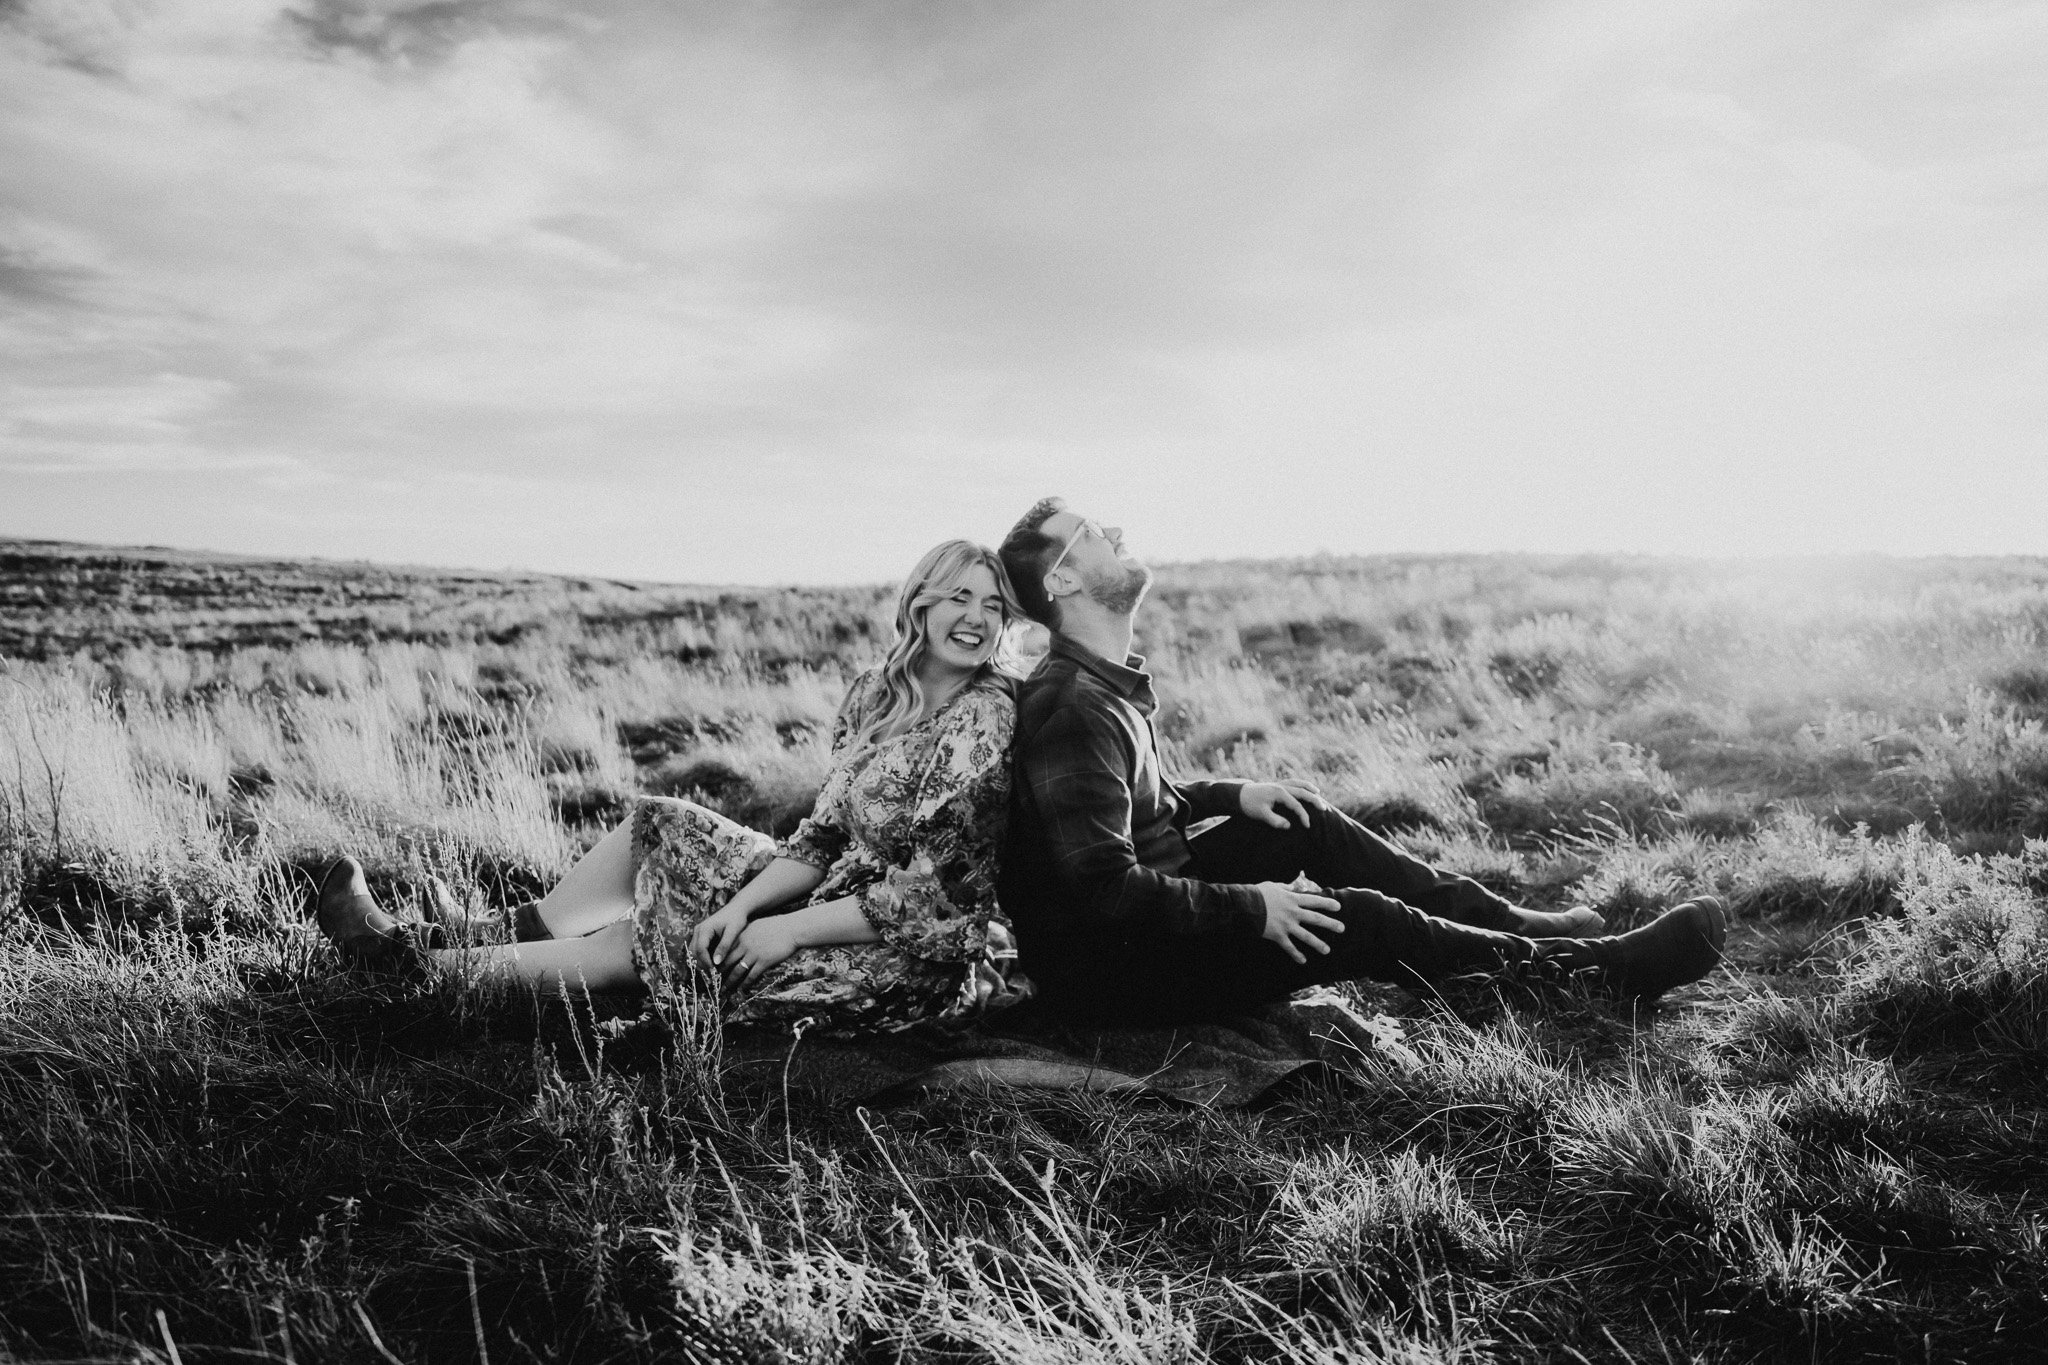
x=595, y=892
x=602, y=961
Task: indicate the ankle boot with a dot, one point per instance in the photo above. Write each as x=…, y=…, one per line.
x=364, y=935
x=1681, y=945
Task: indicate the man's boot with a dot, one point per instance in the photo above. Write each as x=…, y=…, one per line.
x=1681, y=945
x=1581, y=921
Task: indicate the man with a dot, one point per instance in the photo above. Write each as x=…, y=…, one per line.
x=1122, y=917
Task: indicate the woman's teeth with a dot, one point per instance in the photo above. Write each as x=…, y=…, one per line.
x=966, y=639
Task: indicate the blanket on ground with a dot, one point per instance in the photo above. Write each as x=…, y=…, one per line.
x=1225, y=1063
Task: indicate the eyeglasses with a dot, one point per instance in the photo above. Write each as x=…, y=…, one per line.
x=1087, y=527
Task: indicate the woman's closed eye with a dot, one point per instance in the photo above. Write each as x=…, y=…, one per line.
x=992, y=605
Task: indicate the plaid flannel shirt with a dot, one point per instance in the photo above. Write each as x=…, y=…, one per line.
x=1097, y=832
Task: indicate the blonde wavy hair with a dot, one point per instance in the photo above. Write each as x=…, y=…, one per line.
x=931, y=581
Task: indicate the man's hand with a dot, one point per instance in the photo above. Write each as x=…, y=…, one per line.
x=1266, y=800
x=1293, y=917
x=762, y=944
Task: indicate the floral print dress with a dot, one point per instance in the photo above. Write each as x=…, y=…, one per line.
x=908, y=826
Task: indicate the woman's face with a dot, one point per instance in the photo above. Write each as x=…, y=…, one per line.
x=963, y=627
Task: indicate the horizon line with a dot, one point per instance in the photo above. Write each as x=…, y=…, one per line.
x=1553, y=556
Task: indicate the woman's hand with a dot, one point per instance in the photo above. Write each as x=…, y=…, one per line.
x=715, y=935
x=761, y=945
x=781, y=882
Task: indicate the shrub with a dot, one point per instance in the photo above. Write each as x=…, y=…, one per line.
x=1965, y=964
x=2024, y=686
x=1719, y=815
x=1584, y=791
x=758, y=782
x=1987, y=771
x=1796, y=870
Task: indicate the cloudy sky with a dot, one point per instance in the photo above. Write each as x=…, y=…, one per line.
x=773, y=291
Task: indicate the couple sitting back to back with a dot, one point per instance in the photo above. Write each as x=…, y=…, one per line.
x=886, y=907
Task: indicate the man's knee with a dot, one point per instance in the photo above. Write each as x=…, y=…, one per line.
x=1361, y=853
x=1329, y=833
x=1324, y=819
x=1328, y=822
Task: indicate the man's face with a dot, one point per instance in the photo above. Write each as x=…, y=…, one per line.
x=1110, y=575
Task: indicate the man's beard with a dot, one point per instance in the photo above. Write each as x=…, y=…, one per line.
x=1122, y=592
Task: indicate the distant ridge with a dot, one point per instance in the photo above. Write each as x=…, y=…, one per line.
x=61, y=597
x=185, y=554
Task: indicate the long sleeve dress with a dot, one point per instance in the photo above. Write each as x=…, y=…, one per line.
x=909, y=826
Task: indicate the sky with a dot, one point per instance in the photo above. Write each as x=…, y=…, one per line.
x=754, y=291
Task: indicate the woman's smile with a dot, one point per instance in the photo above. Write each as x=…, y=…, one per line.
x=965, y=625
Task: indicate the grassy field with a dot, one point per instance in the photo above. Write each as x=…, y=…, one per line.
x=216, y=1147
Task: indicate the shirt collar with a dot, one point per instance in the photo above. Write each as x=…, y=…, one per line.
x=1128, y=677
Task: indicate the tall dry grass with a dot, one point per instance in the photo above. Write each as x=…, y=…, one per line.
x=222, y=1149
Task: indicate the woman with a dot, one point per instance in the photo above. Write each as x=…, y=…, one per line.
x=878, y=913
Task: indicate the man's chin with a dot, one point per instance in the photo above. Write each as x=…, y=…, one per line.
x=1123, y=597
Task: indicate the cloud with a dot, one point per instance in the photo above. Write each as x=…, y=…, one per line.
x=151, y=422
x=404, y=32
x=1394, y=271
x=28, y=280
x=79, y=34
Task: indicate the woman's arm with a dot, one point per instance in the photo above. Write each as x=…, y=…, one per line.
x=802, y=861
x=937, y=905
x=830, y=922
x=779, y=883
x=766, y=942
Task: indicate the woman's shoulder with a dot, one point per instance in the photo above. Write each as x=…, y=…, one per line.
x=989, y=704
x=860, y=693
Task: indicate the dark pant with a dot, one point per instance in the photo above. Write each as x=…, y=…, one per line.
x=1404, y=922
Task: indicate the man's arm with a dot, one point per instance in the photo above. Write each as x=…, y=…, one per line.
x=1207, y=797
x=1076, y=770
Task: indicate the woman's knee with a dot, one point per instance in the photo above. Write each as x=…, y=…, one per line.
x=613, y=947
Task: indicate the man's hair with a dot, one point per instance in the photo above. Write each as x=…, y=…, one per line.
x=1027, y=553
